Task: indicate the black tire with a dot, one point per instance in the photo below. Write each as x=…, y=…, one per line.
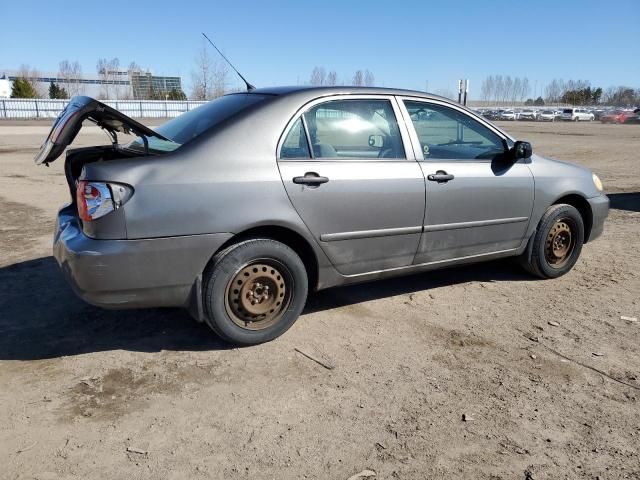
x=224, y=311
x=540, y=259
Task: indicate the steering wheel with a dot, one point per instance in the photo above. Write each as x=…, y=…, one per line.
x=386, y=153
x=418, y=113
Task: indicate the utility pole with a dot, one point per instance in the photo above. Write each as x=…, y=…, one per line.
x=466, y=91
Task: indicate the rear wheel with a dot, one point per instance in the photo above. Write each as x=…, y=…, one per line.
x=557, y=243
x=254, y=291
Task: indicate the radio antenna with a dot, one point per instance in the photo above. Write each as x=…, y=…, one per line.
x=249, y=86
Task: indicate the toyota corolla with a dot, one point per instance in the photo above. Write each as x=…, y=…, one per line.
x=237, y=209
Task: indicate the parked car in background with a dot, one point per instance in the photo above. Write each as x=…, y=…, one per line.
x=489, y=114
x=576, y=115
x=547, y=116
x=528, y=115
x=238, y=208
x=619, y=116
x=507, y=115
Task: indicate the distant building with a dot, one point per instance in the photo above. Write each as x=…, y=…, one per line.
x=143, y=84
x=5, y=87
x=112, y=85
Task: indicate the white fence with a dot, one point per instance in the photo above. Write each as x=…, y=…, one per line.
x=42, y=108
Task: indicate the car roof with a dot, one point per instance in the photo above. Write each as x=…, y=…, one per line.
x=342, y=90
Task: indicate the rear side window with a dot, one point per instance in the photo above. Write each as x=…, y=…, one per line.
x=354, y=129
x=296, y=145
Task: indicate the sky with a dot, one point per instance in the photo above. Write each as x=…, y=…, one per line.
x=418, y=45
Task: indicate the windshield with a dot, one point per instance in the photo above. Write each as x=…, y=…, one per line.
x=190, y=125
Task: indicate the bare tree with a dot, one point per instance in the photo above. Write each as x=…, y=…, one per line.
x=202, y=75
x=220, y=79
x=369, y=79
x=508, y=89
x=70, y=75
x=318, y=76
x=487, y=89
x=102, y=69
x=358, y=79
x=499, y=89
x=32, y=75
x=554, y=91
x=209, y=78
x=108, y=73
x=525, y=89
x=332, y=78
x=517, y=89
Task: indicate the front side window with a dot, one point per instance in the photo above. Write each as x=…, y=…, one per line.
x=446, y=133
x=354, y=129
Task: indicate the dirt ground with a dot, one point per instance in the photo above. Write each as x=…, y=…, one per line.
x=545, y=373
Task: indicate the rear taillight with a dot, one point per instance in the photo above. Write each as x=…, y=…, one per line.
x=96, y=199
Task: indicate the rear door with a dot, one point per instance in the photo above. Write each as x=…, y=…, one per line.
x=476, y=203
x=348, y=174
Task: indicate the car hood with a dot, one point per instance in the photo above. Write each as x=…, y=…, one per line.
x=69, y=122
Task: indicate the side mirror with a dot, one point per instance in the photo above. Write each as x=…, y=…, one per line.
x=521, y=150
x=376, y=141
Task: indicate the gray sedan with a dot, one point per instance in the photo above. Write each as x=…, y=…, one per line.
x=237, y=209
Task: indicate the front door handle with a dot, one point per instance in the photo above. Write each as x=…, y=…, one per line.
x=440, y=176
x=311, y=179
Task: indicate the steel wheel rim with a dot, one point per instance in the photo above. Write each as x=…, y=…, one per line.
x=560, y=243
x=259, y=294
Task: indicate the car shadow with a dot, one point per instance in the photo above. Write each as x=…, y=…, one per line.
x=41, y=317
x=486, y=272
x=625, y=201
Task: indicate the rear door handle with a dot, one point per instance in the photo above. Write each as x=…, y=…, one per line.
x=310, y=178
x=440, y=176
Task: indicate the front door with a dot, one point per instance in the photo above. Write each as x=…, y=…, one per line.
x=477, y=202
x=344, y=166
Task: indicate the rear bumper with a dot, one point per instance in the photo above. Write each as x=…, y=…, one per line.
x=599, y=212
x=159, y=272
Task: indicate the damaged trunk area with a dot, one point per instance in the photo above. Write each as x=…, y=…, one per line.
x=98, y=202
x=77, y=158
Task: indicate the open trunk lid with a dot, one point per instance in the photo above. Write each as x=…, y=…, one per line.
x=69, y=122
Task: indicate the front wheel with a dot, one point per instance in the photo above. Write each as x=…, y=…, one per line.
x=557, y=242
x=254, y=291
